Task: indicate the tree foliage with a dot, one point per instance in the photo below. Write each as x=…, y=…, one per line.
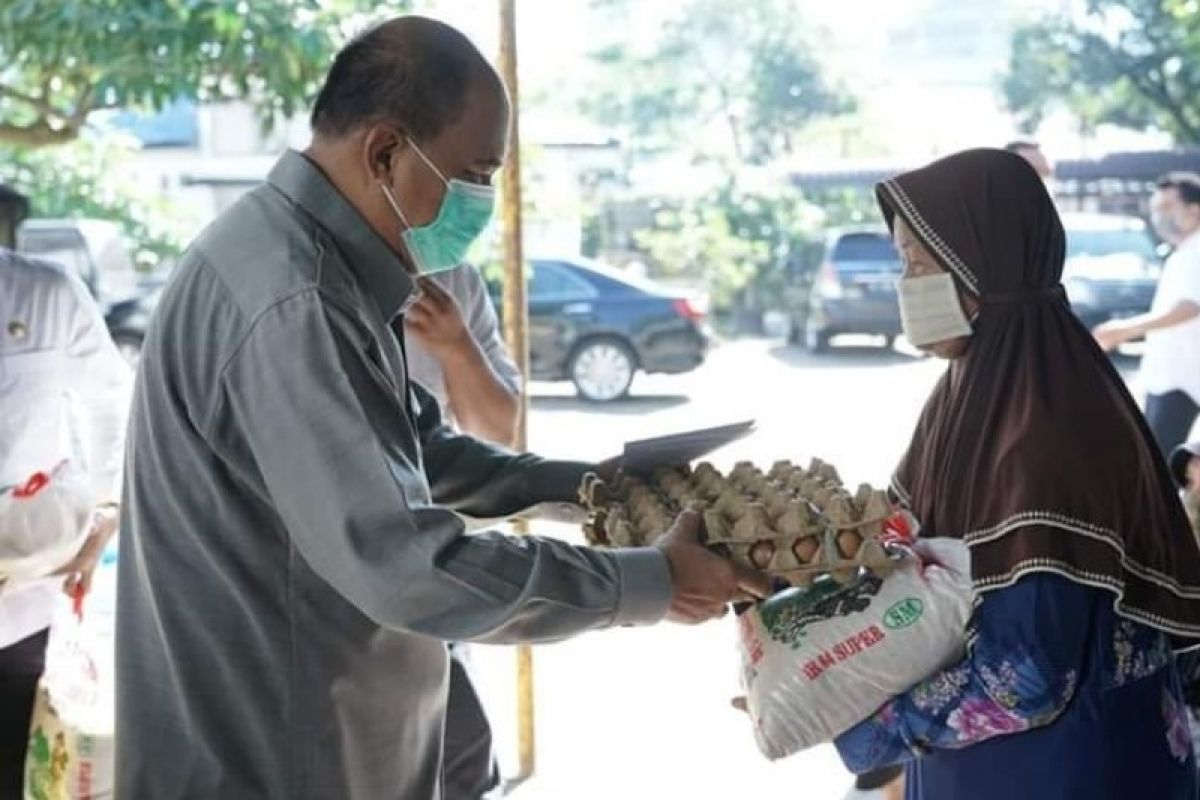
x=749, y=68
x=730, y=87
x=62, y=60
x=1134, y=63
x=90, y=178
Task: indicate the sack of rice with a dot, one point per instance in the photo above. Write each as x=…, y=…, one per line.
x=817, y=661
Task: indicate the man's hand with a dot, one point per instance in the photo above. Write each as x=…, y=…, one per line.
x=437, y=321
x=1111, y=335
x=79, y=570
x=703, y=583
x=609, y=468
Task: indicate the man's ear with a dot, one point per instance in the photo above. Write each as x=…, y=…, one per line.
x=381, y=143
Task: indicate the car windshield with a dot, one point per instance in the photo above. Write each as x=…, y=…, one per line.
x=620, y=276
x=865, y=252
x=1100, y=243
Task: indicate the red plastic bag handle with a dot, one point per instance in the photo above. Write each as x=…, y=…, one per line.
x=37, y=481
x=77, y=595
x=897, y=529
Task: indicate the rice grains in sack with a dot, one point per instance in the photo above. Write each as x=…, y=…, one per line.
x=817, y=661
x=70, y=755
x=43, y=522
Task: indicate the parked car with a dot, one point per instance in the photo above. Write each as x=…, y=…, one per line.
x=95, y=250
x=597, y=327
x=1112, y=267
x=854, y=290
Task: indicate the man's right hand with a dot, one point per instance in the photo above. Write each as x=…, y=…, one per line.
x=703, y=583
x=1110, y=335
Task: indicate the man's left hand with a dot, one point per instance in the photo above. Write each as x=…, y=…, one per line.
x=436, y=320
x=79, y=570
x=609, y=468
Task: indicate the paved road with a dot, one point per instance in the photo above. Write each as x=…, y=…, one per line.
x=644, y=713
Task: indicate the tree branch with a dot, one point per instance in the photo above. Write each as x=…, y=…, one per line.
x=38, y=134
x=38, y=103
x=1177, y=110
x=1158, y=86
x=1152, y=85
x=83, y=105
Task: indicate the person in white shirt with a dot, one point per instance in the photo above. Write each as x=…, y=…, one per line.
x=1171, y=364
x=455, y=350
x=64, y=395
x=1032, y=152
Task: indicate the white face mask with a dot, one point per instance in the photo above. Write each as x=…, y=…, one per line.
x=930, y=311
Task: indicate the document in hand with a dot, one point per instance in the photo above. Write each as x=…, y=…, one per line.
x=645, y=455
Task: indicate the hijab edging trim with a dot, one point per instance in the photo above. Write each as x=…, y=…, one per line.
x=1096, y=580
x=908, y=209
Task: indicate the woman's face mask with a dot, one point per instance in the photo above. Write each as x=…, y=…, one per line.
x=931, y=313
x=442, y=244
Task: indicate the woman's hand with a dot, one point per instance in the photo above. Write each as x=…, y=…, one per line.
x=79, y=570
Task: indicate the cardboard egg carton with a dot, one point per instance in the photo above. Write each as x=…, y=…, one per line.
x=791, y=522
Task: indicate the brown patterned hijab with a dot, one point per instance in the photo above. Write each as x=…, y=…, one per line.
x=1031, y=449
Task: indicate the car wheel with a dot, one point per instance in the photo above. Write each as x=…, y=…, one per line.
x=602, y=370
x=817, y=341
x=129, y=345
x=795, y=334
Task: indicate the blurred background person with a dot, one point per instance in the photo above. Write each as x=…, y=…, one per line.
x=64, y=395
x=1170, y=370
x=1031, y=151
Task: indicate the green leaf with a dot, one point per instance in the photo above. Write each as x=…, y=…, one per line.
x=152, y=52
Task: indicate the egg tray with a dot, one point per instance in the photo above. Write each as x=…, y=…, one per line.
x=793, y=523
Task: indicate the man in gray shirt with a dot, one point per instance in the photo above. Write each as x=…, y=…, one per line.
x=290, y=563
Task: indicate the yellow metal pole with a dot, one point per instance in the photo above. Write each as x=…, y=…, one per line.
x=516, y=316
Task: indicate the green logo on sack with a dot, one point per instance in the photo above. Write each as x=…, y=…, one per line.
x=904, y=613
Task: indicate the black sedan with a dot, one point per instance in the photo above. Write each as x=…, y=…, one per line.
x=596, y=327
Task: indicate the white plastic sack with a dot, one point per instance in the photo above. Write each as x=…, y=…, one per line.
x=70, y=754
x=815, y=662
x=43, y=523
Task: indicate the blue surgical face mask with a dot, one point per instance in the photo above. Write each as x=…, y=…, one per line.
x=442, y=244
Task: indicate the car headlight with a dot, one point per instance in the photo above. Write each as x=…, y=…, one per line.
x=1081, y=293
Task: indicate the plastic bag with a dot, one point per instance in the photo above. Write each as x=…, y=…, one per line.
x=42, y=523
x=70, y=754
x=817, y=661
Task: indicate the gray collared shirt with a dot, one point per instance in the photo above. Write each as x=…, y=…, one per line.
x=290, y=565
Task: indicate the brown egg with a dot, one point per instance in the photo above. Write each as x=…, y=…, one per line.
x=781, y=469
x=806, y=549
x=848, y=543
x=761, y=553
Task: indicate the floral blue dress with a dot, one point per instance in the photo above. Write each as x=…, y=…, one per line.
x=1058, y=697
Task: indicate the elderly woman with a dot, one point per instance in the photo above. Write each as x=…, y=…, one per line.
x=1032, y=452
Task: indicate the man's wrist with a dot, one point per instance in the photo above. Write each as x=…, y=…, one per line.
x=456, y=350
